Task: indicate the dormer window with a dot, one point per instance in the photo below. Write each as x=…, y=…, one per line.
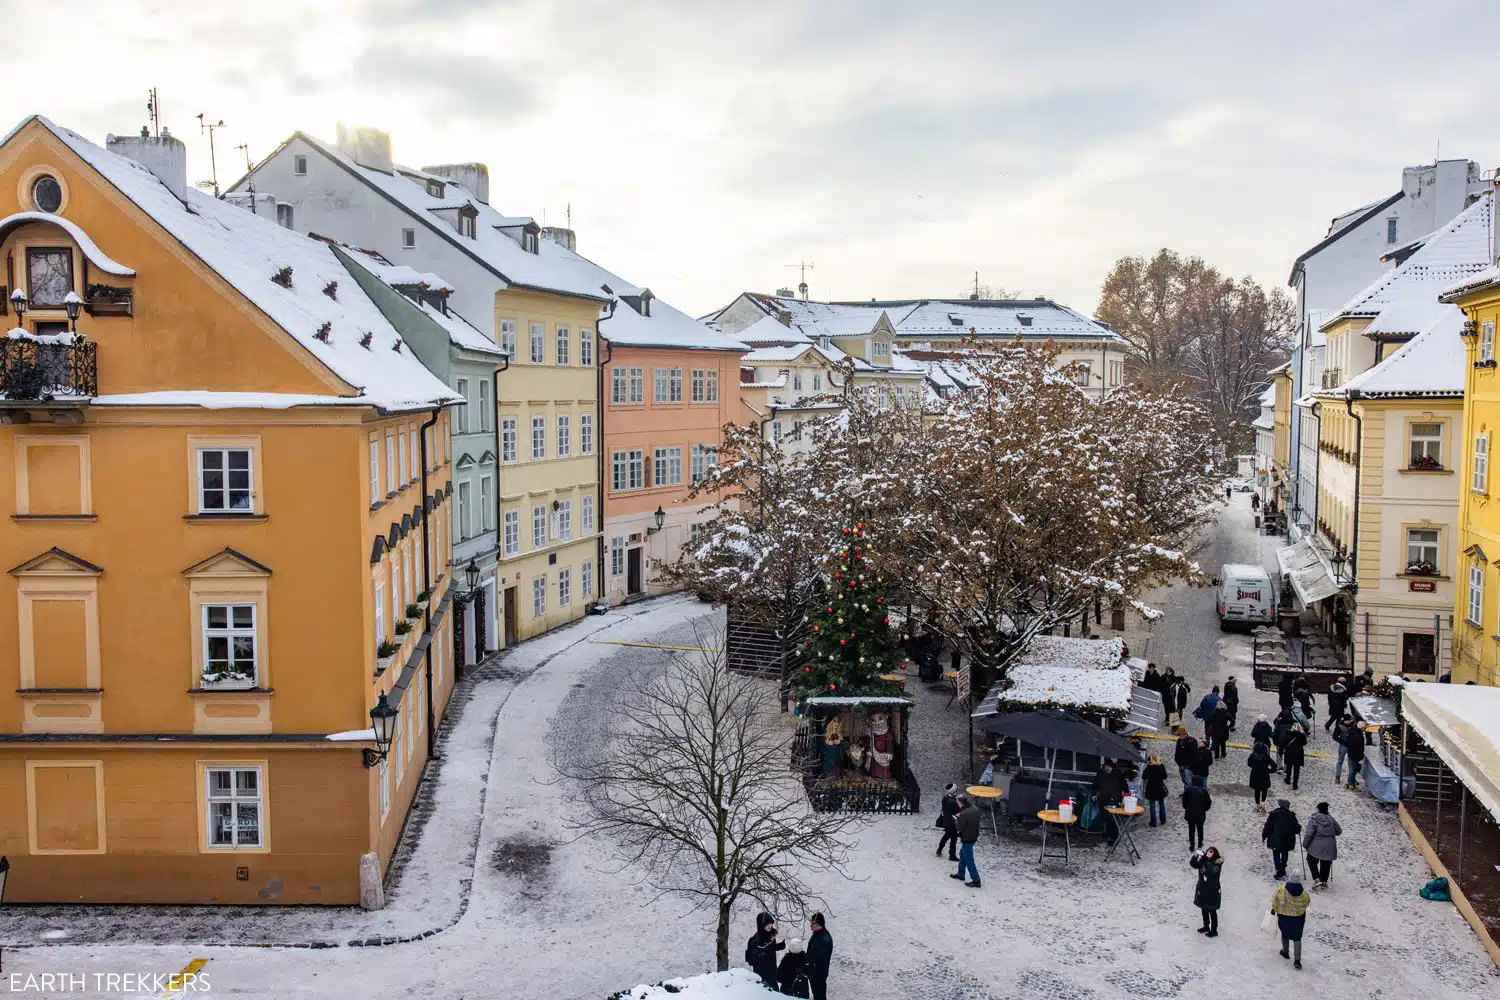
x=466, y=226
x=1023, y=318
x=530, y=242
x=435, y=188
x=955, y=320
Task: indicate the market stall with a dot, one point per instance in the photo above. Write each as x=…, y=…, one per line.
x=855, y=754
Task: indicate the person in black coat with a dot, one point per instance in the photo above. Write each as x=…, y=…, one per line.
x=1261, y=732
x=1196, y=802
x=1152, y=680
x=1281, y=729
x=1338, y=699
x=819, y=955
x=1218, y=731
x=1232, y=700
x=1187, y=747
x=1292, y=756
x=760, y=951
x=1280, y=834
x=1203, y=759
x=792, y=973
x=1154, y=781
x=1284, y=692
x=1354, y=741
x=1109, y=789
x=1183, y=690
x=948, y=821
x=1261, y=769
x=1208, y=894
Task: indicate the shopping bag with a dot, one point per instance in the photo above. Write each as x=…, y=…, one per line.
x=1268, y=922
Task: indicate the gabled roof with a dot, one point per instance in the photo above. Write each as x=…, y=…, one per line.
x=461, y=333
x=914, y=319
x=1431, y=364
x=1404, y=300
x=1352, y=221
x=769, y=330
x=247, y=250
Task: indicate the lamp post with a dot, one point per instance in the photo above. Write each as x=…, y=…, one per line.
x=660, y=517
x=471, y=577
x=18, y=302
x=73, y=303
x=383, y=725
x=1338, y=567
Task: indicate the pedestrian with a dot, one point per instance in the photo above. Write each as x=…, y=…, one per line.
x=1232, y=700
x=1109, y=790
x=1284, y=691
x=1218, y=731
x=1152, y=680
x=1187, y=749
x=1281, y=731
x=1363, y=682
x=1183, y=690
x=792, y=973
x=1255, y=502
x=1228, y=494
x=1289, y=903
x=948, y=821
x=1261, y=732
x=819, y=956
x=1208, y=894
x=1340, y=735
x=1354, y=740
x=1338, y=699
x=968, y=834
x=1154, y=780
x=1205, y=710
x=1320, y=841
x=1280, y=834
x=1261, y=768
x=1196, y=802
x=1293, y=756
x=1304, y=703
x=760, y=952
x=1203, y=759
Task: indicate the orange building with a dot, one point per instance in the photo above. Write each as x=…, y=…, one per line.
x=225, y=543
x=670, y=385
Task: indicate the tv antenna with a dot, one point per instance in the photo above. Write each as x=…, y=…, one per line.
x=244, y=147
x=803, y=267
x=207, y=126
x=153, y=111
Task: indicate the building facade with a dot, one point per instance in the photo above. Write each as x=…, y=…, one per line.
x=532, y=297
x=227, y=542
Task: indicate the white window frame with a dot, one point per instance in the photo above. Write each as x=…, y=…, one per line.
x=538, y=438
x=226, y=489
x=1480, y=480
x=539, y=526
x=797, y=380
x=390, y=465
x=508, y=337
x=882, y=349
x=562, y=521
x=385, y=788
x=563, y=353
x=618, y=472
x=585, y=434
x=229, y=633
x=461, y=524
x=538, y=596
x=486, y=503
x=658, y=385
x=635, y=459
x=586, y=348
x=461, y=386
x=1487, y=340
x=508, y=440
x=375, y=494
x=776, y=432
x=299, y=164
x=587, y=513
x=637, y=384
x=404, y=451
x=235, y=799
x=564, y=435
x=705, y=385
x=1419, y=547
x=564, y=587
x=379, y=613
x=586, y=579
x=1392, y=229
x=512, y=532
x=617, y=556
x=484, y=404
x=538, y=343
x=408, y=239
x=1476, y=596
x=1431, y=444
x=817, y=382
x=619, y=385
x=666, y=467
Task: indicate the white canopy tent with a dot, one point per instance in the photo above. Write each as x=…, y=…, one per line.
x=1310, y=575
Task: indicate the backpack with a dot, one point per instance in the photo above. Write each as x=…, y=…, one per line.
x=1436, y=889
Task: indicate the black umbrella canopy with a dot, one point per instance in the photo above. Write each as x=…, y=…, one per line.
x=1055, y=729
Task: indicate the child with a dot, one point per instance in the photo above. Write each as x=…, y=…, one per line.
x=792, y=974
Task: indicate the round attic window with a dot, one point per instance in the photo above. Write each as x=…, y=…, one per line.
x=46, y=193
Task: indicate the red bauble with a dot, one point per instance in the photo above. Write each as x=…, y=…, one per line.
x=879, y=601
x=831, y=687
x=886, y=620
x=842, y=641
x=851, y=635
x=807, y=670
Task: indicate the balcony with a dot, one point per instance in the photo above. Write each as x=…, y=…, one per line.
x=56, y=372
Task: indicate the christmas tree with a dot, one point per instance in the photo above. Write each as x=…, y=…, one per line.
x=851, y=643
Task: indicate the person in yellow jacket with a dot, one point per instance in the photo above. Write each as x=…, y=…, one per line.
x=1290, y=906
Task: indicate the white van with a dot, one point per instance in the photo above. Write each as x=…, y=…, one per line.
x=1245, y=594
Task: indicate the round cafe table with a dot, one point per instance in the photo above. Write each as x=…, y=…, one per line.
x=893, y=678
x=990, y=794
x=1051, y=818
x=1127, y=820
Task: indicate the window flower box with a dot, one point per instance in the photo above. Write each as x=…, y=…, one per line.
x=1421, y=569
x=403, y=627
x=228, y=679
x=413, y=611
x=1425, y=463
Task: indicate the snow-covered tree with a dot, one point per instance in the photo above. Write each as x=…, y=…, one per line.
x=693, y=793
x=851, y=641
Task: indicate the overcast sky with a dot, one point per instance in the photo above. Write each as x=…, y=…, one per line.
x=899, y=146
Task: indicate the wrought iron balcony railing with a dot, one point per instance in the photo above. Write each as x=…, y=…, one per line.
x=55, y=367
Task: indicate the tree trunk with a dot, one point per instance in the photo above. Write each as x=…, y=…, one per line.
x=721, y=947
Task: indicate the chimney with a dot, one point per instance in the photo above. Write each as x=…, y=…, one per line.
x=562, y=236
x=473, y=176
x=369, y=147
x=163, y=155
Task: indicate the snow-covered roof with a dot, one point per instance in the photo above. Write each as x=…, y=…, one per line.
x=925, y=318
x=778, y=355
x=552, y=268
x=1430, y=364
x=461, y=333
x=247, y=250
x=90, y=249
x=1070, y=687
x=1461, y=723
x=1263, y=423
x=1473, y=283
x=665, y=327
x=1404, y=299
x=735, y=984
x=770, y=330
x=1268, y=397
x=400, y=275
x=1063, y=651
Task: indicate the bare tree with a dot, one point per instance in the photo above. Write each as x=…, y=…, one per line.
x=694, y=793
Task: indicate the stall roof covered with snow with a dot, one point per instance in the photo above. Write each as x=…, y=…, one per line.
x=1085, y=675
x=1461, y=723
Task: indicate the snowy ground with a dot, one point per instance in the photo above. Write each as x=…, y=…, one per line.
x=546, y=917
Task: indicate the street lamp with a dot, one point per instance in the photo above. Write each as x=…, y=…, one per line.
x=19, y=303
x=471, y=577
x=1338, y=567
x=661, y=518
x=73, y=303
x=383, y=725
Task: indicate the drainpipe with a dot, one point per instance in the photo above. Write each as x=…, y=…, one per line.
x=427, y=576
x=605, y=356
x=1317, y=411
x=499, y=504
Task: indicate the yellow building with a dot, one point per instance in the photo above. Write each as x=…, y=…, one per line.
x=1477, y=653
x=1282, y=472
x=226, y=542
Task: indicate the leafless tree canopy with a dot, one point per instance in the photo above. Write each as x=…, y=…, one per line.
x=693, y=792
x=1189, y=324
